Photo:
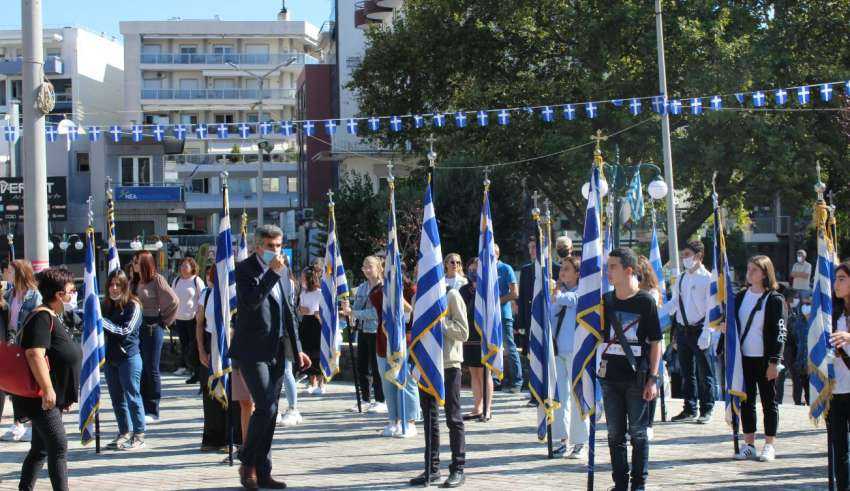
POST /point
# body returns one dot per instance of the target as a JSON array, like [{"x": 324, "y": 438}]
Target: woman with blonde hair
[
  {"x": 454, "y": 272},
  {"x": 366, "y": 317}
]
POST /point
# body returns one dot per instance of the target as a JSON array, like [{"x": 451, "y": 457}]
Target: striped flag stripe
[
  {"x": 488, "y": 311},
  {"x": 820, "y": 357},
  {"x": 92, "y": 346},
  {"x": 334, "y": 288}
]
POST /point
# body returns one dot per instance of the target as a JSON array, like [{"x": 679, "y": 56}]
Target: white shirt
[
  {"x": 209, "y": 309},
  {"x": 187, "y": 291},
  {"x": 456, "y": 282},
  {"x": 842, "y": 373},
  {"x": 754, "y": 342},
  {"x": 311, "y": 300},
  {"x": 803, "y": 284},
  {"x": 695, "y": 289}
]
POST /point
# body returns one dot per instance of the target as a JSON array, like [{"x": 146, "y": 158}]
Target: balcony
[
  {"x": 211, "y": 165},
  {"x": 164, "y": 60},
  {"x": 390, "y": 4},
  {"x": 52, "y": 66},
  {"x": 373, "y": 11},
  {"x": 238, "y": 200},
  {"x": 165, "y": 99}
]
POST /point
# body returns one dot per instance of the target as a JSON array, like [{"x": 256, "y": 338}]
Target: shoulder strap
[
  {"x": 621, "y": 338},
  {"x": 753, "y": 315},
  {"x": 682, "y": 302},
  {"x": 207, "y": 296}
]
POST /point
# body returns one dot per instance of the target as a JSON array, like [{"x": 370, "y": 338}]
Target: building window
[
  {"x": 188, "y": 119},
  {"x": 271, "y": 185},
  {"x": 201, "y": 185},
  {"x": 136, "y": 171},
  {"x": 135, "y": 228},
  {"x": 242, "y": 185},
  {"x": 224, "y": 118},
  {"x": 152, "y": 119},
  {"x": 83, "y": 162},
  {"x": 292, "y": 184}
]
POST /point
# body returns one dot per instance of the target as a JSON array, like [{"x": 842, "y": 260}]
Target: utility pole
[
  {"x": 34, "y": 161},
  {"x": 672, "y": 228}
]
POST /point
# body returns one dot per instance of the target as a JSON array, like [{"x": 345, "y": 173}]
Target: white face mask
[
  {"x": 71, "y": 304},
  {"x": 806, "y": 309},
  {"x": 795, "y": 302},
  {"x": 800, "y": 259},
  {"x": 115, "y": 297},
  {"x": 688, "y": 262}
]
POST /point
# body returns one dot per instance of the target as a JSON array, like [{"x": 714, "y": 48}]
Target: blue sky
[{"x": 104, "y": 16}]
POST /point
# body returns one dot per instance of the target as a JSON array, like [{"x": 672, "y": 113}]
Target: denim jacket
[
  {"x": 362, "y": 309},
  {"x": 32, "y": 299}
]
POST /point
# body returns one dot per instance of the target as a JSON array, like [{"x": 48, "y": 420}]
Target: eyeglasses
[{"x": 454, "y": 262}]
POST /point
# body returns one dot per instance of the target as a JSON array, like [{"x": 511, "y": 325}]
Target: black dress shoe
[
  {"x": 271, "y": 483},
  {"x": 456, "y": 479},
  {"x": 420, "y": 479},
  {"x": 470, "y": 417},
  {"x": 192, "y": 380},
  {"x": 683, "y": 416}
]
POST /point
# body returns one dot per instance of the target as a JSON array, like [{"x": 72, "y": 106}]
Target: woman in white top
[
  {"x": 649, "y": 283},
  {"x": 310, "y": 329},
  {"x": 454, "y": 272},
  {"x": 187, "y": 287},
  {"x": 839, "y": 409},
  {"x": 214, "y": 436},
  {"x": 761, "y": 320}
]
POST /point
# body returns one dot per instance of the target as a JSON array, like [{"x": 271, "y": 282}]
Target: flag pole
[
  {"x": 591, "y": 450},
  {"x": 547, "y": 221},
  {"x": 485, "y": 407},
  {"x": 90, "y": 232},
  {"x": 354, "y": 371}
]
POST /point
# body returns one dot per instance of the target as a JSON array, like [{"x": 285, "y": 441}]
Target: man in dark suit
[{"x": 265, "y": 336}]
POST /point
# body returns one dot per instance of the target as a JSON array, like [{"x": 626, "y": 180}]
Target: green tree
[{"x": 469, "y": 54}]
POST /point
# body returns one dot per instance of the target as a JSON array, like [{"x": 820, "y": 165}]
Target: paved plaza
[{"x": 336, "y": 449}]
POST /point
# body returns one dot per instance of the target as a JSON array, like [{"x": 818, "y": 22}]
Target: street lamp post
[
  {"x": 66, "y": 243},
  {"x": 261, "y": 80}
]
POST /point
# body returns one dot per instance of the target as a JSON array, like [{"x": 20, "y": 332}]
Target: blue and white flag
[
  {"x": 488, "y": 309},
  {"x": 821, "y": 353},
  {"x": 658, "y": 268},
  {"x": 634, "y": 196},
  {"x": 541, "y": 350},
  {"x": 393, "y": 305},
  {"x": 589, "y": 317},
  {"x": 722, "y": 308},
  {"x": 334, "y": 289},
  {"x": 607, "y": 247},
  {"x": 224, "y": 304},
  {"x": 113, "y": 261},
  {"x": 94, "y": 350},
  {"x": 426, "y": 346},
  {"x": 242, "y": 249}
]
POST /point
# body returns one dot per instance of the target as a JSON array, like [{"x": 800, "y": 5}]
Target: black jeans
[
  {"x": 367, "y": 363},
  {"x": 625, "y": 408},
  {"x": 264, "y": 381},
  {"x": 755, "y": 378},
  {"x": 697, "y": 372},
  {"x": 799, "y": 385},
  {"x": 48, "y": 442},
  {"x": 839, "y": 418},
  {"x": 454, "y": 420},
  {"x": 188, "y": 345}
]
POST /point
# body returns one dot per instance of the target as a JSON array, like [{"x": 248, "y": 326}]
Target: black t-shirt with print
[
  {"x": 639, "y": 317},
  {"x": 64, "y": 356}
]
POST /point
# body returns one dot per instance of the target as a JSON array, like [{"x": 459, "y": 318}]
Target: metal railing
[
  {"x": 217, "y": 94},
  {"x": 222, "y": 159},
  {"x": 225, "y": 58}
]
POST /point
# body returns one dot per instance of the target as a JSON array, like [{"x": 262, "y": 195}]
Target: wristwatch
[{"x": 653, "y": 377}]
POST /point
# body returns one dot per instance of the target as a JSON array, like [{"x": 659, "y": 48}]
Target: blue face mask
[{"x": 268, "y": 256}]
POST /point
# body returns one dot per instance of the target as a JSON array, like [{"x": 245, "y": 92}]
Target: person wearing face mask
[
  {"x": 692, "y": 338},
  {"x": 839, "y": 411},
  {"x": 45, "y": 334},
  {"x": 762, "y": 320},
  {"x": 798, "y": 334},
  {"x": 21, "y": 297},
  {"x": 122, "y": 318},
  {"x": 801, "y": 273}
]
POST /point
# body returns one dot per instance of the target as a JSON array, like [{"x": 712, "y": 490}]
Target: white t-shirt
[
  {"x": 754, "y": 342},
  {"x": 209, "y": 309},
  {"x": 311, "y": 300},
  {"x": 803, "y": 284},
  {"x": 842, "y": 373},
  {"x": 187, "y": 291},
  {"x": 456, "y": 282}
]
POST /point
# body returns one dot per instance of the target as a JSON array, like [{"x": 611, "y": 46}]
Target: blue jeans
[
  {"x": 150, "y": 343},
  {"x": 625, "y": 408},
  {"x": 515, "y": 379},
  {"x": 697, "y": 374},
  {"x": 391, "y": 395},
  {"x": 123, "y": 380},
  {"x": 290, "y": 385}
]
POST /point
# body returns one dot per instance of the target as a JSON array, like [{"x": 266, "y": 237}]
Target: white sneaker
[
  {"x": 7, "y": 435},
  {"x": 747, "y": 452},
  {"x": 578, "y": 452},
  {"x": 392, "y": 429},
  {"x": 377, "y": 408},
  {"x": 27, "y": 435},
  {"x": 180, "y": 371},
  {"x": 768, "y": 453},
  {"x": 650, "y": 434},
  {"x": 19, "y": 432},
  {"x": 410, "y": 433},
  {"x": 151, "y": 419},
  {"x": 292, "y": 417},
  {"x": 323, "y": 390}
]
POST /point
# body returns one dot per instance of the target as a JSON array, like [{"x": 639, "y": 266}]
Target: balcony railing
[
  {"x": 222, "y": 159},
  {"x": 225, "y": 58},
  {"x": 217, "y": 94}
]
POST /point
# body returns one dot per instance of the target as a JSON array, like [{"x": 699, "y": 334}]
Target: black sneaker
[
  {"x": 420, "y": 479},
  {"x": 192, "y": 380},
  {"x": 684, "y": 416},
  {"x": 456, "y": 479}
]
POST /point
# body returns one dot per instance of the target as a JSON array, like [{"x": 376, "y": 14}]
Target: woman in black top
[
  {"x": 44, "y": 334},
  {"x": 472, "y": 347}
]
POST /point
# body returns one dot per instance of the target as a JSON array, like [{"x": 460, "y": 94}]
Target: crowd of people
[{"x": 276, "y": 337}]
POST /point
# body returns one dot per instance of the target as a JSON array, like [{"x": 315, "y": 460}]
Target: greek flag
[
  {"x": 94, "y": 351},
  {"x": 242, "y": 250},
  {"x": 589, "y": 310},
  {"x": 543, "y": 380},
  {"x": 488, "y": 310},
  {"x": 821, "y": 353},
  {"x": 393, "y": 313},
  {"x": 224, "y": 304},
  {"x": 607, "y": 247},
  {"x": 721, "y": 308},
  {"x": 658, "y": 268},
  {"x": 426, "y": 347},
  {"x": 334, "y": 288},
  {"x": 634, "y": 196},
  {"x": 114, "y": 263}
]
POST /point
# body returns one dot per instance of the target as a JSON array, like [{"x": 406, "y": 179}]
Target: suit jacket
[
  {"x": 256, "y": 336},
  {"x": 526, "y": 295}
]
